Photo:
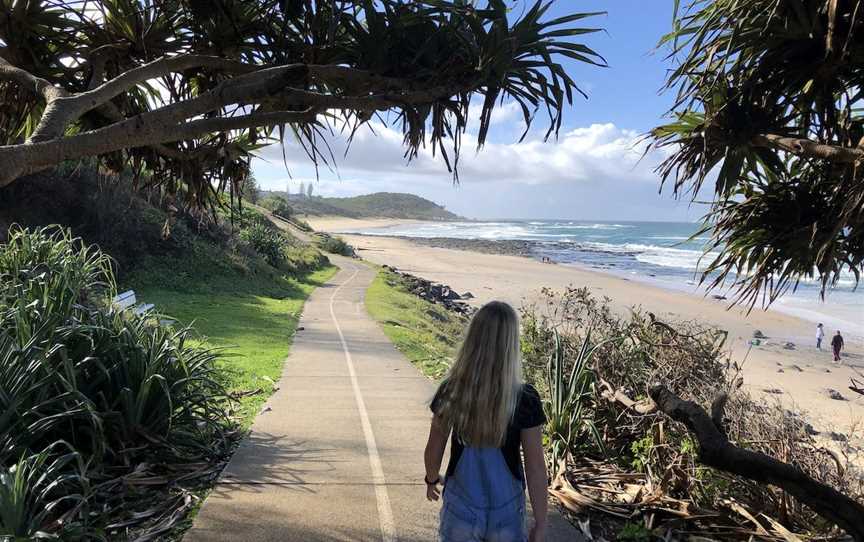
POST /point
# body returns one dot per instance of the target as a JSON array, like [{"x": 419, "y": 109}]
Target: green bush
[
  {"x": 333, "y": 245},
  {"x": 301, "y": 259},
  {"x": 302, "y": 225},
  {"x": 278, "y": 205},
  {"x": 130, "y": 397},
  {"x": 266, "y": 241}
]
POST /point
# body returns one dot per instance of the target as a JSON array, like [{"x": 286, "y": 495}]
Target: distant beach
[
  {"x": 666, "y": 254},
  {"x": 476, "y": 257}
]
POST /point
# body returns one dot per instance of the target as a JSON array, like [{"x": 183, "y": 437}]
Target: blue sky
[{"x": 592, "y": 171}]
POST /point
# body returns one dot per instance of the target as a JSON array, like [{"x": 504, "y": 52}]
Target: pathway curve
[{"x": 337, "y": 453}]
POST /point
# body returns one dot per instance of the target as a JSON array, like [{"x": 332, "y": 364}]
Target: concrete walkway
[{"x": 338, "y": 452}]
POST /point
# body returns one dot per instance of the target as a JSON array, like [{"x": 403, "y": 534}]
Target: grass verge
[
  {"x": 427, "y": 333},
  {"x": 238, "y": 304},
  {"x": 254, "y": 324}
]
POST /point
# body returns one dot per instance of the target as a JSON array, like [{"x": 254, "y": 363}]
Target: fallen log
[{"x": 716, "y": 451}]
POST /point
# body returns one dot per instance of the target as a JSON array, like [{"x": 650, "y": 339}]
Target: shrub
[
  {"x": 131, "y": 399},
  {"x": 266, "y": 241},
  {"x": 333, "y": 245},
  {"x": 301, "y": 259},
  {"x": 639, "y": 445},
  {"x": 278, "y": 205},
  {"x": 302, "y": 225}
]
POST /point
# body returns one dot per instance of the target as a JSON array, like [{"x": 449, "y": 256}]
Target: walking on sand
[
  {"x": 820, "y": 334},
  {"x": 491, "y": 414},
  {"x": 837, "y": 345}
]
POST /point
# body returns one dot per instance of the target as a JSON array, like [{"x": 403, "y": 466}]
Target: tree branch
[
  {"x": 280, "y": 88},
  {"x": 140, "y": 131},
  {"x": 808, "y": 148},
  {"x": 69, "y": 108},
  {"x": 716, "y": 451},
  {"x": 30, "y": 82},
  {"x": 152, "y": 70}
]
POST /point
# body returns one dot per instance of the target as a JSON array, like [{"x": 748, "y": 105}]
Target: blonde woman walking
[{"x": 492, "y": 416}]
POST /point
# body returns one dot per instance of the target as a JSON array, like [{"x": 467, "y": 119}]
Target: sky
[{"x": 595, "y": 170}]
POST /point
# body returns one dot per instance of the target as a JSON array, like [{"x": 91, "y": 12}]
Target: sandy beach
[{"x": 801, "y": 376}]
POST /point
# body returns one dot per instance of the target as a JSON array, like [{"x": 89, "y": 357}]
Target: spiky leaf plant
[
  {"x": 132, "y": 398},
  {"x": 567, "y": 407},
  {"x": 769, "y": 103}
]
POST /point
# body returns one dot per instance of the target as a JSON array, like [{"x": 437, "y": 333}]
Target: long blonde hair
[{"x": 479, "y": 395}]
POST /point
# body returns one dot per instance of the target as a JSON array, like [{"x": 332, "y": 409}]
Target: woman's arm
[
  {"x": 535, "y": 476},
  {"x": 433, "y": 456}
]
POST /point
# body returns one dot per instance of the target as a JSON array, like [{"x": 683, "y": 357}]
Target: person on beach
[
  {"x": 837, "y": 345},
  {"x": 491, "y": 414},
  {"x": 820, "y": 334}
]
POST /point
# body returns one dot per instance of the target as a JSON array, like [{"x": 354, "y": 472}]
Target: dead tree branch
[{"x": 716, "y": 451}]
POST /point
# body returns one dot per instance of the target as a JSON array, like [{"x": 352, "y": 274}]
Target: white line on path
[{"x": 385, "y": 513}]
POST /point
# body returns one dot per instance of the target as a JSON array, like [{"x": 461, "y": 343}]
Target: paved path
[{"x": 338, "y": 452}]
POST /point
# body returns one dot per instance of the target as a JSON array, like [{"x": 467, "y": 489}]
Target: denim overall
[{"x": 482, "y": 500}]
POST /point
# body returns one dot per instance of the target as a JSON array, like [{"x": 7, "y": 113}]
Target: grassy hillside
[{"x": 381, "y": 204}]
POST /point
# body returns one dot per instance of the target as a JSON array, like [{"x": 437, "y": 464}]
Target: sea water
[{"x": 667, "y": 254}]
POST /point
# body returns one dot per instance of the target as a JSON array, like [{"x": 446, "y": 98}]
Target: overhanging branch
[
  {"x": 29, "y": 81},
  {"x": 808, "y": 148},
  {"x": 137, "y": 132}
]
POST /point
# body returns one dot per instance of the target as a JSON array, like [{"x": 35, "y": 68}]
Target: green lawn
[
  {"x": 428, "y": 334},
  {"x": 253, "y": 324}
]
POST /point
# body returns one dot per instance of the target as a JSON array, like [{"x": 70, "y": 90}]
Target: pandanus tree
[
  {"x": 186, "y": 90},
  {"x": 769, "y": 107}
]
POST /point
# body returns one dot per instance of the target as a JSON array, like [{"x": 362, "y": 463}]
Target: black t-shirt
[{"x": 528, "y": 414}]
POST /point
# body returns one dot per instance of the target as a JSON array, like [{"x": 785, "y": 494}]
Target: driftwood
[
  {"x": 645, "y": 406},
  {"x": 857, "y": 385},
  {"x": 716, "y": 451}
]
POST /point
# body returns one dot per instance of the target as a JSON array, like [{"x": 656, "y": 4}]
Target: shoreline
[
  {"x": 800, "y": 377},
  {"x": 837, "y": 315}
]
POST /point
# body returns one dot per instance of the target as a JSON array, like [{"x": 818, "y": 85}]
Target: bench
[{"x": 127, "y": 300}]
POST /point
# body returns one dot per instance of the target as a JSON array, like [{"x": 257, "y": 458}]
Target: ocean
[{"x": 660, "y": 253}]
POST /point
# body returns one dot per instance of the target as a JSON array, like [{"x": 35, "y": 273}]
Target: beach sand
[{"x": 806, "y": 372}]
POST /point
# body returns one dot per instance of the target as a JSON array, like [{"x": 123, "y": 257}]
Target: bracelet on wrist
[{"x": 432, "y": 483}]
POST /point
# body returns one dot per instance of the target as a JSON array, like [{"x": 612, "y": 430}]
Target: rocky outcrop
[{"x": 434, "y": 292}]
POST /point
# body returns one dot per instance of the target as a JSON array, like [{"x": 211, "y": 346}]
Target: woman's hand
[
  {"x": 432, "y": 491},
  {"x": 432, "y": 457}
]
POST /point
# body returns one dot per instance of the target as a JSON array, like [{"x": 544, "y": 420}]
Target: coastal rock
[
  {"x": 834, "y": 394},
  {"x": 759, "y": 335},
  {"x": 436, "y": 293},
  {"x": 789, "y": 346},
  {"x": 839, "y": 437},
  {"x": 795, "y": 368},
  {"x": 467, "y": 295}
]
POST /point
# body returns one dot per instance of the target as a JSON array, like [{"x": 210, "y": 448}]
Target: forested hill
[{"x": 380, "y": 204}]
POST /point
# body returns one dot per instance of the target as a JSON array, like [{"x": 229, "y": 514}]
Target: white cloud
[
  {"x": 595, "y": 171},
  {"x": 589, "y": 154}
]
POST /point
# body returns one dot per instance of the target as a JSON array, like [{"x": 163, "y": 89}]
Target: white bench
[{"x": 127, "y": 300}]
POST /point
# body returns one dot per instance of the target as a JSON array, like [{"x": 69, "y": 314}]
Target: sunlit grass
[
  {"x": 254, "y": 326},
  {"x": 428, "y": 334}
]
